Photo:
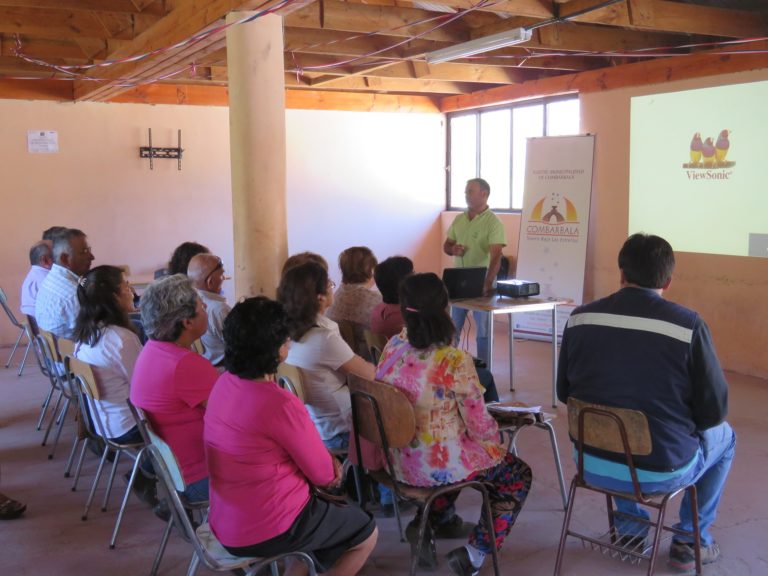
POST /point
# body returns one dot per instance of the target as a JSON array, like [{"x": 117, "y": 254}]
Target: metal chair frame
[
  {"x": 81, "y": 377},
  {"x": 369, "y": 393},
  {"x": 541, "y": 421},
  {"x": 23, "y": 331},
  {"x": 635, "y": 551},
  {"x": 50, "y": 349},
  {"x": 211, "y": 553},
  {"x": 199, "y": 507},
  {"x": 289, "y": 378}
]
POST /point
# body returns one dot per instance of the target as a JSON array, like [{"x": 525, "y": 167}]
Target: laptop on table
[{"x": 464, "y": 282}]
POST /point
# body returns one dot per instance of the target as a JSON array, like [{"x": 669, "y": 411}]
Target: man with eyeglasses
[
  {"x": 207, "y": 274},
  {"x": 57, "y": 307}
]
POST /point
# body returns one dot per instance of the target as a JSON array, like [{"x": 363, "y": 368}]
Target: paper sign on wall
[{"x": 42, "y": 141}]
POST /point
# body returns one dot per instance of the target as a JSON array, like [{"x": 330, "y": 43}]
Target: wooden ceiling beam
[
  {"x": 342, "y": 16},
  {"x": 294, "y": 99},
  {"x": 43, "y": 48},
  {"x": 150, "y": 7},
  {"x": 540, "y": 9},
  {"x": 184, "y": 21},
  {"x": 53, "y": 24},
  {"x": 666, "y": 16},
  {"x": 658, "y": 71},
  {"x": 452, "y": 72},
  {"x": 587, "y": 38},
  {"x": 370, "y": 83},
  {"x": 36, "y": 90}
]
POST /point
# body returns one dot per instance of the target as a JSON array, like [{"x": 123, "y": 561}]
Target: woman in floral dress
[{"x": 456, "y": 439}]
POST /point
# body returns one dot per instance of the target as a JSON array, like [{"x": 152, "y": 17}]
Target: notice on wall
[
  {"x": 554, "y": 225},
  {"x": 42, "y": 141}
]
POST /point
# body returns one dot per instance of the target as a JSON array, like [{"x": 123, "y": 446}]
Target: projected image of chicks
[
  {"x": 553, "y": 212},
  {"x": 721, "y": 146},
  {"x": 696, "y": 147},
  {"x": 710, "y": 153}
]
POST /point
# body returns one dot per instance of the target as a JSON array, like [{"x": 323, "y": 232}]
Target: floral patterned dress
[{"x": 455, "y": 435}]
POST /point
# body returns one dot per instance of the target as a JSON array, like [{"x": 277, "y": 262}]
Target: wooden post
[{"x": 257, "y": 152}]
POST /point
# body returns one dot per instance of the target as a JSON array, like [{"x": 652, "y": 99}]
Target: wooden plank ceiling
[{"x": 362, "y": 46}]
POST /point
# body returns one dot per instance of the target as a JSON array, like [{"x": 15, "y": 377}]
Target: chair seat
[
  {"x": 217, "y": 551},
  {"x": 421, "y": 493}
]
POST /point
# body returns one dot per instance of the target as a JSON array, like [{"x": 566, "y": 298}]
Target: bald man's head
[{"x": 206, "y": 272}]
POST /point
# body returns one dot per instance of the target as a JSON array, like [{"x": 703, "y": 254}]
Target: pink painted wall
[
  {"x": 354, "y": 178},
  {"x": 727, "y": 291}
]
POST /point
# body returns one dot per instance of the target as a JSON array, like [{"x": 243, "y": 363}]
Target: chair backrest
[
  {"x": 168, "y": 473},
  {"x": 32, "y": 323},
  {"x": 376, "y": 343},
  {"x": 197, "y": 346},
  {"x": 603, "y": 431},
  {"x": 289, "y": 378},
  {"x": 83, "y": 370},
  {"x": 381, "y": 410},
  {"x": 8, "y": 311},
  {"x": 619, "y": 430},
  {"x": 45, "y": 344},
  {"x": 65, "y": 347},
  {"x": 347, "y": 331},
  {"x": 78, "y": 379}
]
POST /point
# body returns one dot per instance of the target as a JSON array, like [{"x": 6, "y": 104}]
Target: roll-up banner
[{"x": 553, "y": 227}]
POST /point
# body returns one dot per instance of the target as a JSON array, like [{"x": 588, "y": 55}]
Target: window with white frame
[{"x": 491, "y": 144}]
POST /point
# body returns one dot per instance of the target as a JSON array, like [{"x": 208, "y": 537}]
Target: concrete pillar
[{"x": 257, "y": 152}]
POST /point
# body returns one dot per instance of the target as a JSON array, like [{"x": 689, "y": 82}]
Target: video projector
[{"x": 516, "y": 288}]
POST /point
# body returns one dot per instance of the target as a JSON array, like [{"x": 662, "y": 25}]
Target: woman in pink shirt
[
  {"x": 265, "y": 456},
  {"x": 171, "y": 383}
]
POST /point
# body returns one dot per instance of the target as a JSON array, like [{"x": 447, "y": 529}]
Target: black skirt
[{"x": 323, "y": 530}]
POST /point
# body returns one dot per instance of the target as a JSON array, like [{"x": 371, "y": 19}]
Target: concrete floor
[{"x": 51, "y": 539}]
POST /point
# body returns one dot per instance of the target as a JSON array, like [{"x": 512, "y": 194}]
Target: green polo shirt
[{"x": 477, "y": 235}]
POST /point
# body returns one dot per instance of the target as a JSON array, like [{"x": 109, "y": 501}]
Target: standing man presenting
[
  {"x": 475, "y": 238},
  {"x": 634, "y": 349}
]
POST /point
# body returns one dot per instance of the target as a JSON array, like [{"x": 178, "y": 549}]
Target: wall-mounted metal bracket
[{"x": 151, "y": 152}]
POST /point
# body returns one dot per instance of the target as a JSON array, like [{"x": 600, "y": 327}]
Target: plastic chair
[
  {"x": 289, "y": 378},
  {"x": 51, "y": 349},
  {"x": 81, "y": 376},
  {"x": 207, "y": 549},
  {"x": 383, "y": 415},
  {"x": 23, "y": 331},
  {"x": 192, "y": 507},
  {"x": 621, "y": 431},
  {"x": 197, "y": 346},
  {"x": 376, "y": 343}
]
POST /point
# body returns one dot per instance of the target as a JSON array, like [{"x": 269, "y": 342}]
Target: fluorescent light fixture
[{"x": 479, "y": 45}]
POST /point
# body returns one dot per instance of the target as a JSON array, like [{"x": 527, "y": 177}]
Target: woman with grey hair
[{"x": 171, "y": 383}]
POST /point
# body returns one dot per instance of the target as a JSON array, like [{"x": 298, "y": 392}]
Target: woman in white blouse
[
  {"x": 319, "y": 350},
  {"x": 106, "y": 340}
]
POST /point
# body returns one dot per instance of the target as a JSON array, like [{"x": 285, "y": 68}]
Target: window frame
[{"x": 544, "y": 101}]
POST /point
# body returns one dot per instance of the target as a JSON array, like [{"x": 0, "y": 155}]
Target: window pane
[
  {"x": 563, "y": 117},
  {"x": 495, "y": 158},
  {"x": 527, "y": 122},
  {"x": 463, "y": 157}
]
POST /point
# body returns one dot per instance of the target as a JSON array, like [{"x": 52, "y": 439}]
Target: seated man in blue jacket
[{"x": 634, "y": 349}]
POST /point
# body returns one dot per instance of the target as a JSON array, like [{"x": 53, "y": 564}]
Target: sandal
[{"x": 10, "y": 509}]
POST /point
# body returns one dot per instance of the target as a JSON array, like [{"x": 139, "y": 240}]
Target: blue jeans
[
  {"x": 716, "y": 451},
  {"x": 197, "y": 491},
  {"x": 458, "y": 315}
]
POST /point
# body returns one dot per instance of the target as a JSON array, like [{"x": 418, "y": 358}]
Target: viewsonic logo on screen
[
  {"x": 553, "y": 216},
  {"x": 709, "y": 157}
]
